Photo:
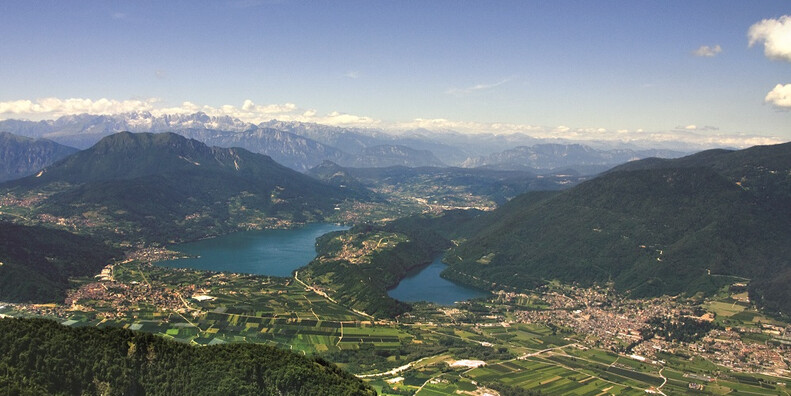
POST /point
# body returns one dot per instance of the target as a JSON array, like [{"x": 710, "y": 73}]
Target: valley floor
[{"x": 556, "y": 340}]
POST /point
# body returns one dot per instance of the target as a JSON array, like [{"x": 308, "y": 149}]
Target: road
[
  {"x": 395, "y": 370},
  {"x": 664, "y": 381},
  {"x": 325, "y": 295}
]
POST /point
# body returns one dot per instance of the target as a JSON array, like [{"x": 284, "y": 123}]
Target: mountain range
[
  {"x": 302, "y": 146},
  {"x": 576, "y": 158}
]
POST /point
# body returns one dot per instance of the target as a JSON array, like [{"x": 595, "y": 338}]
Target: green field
[{"x": 549, "y": 378}]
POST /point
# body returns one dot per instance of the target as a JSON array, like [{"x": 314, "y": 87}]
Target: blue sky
[{"x": 547, "y": 67}]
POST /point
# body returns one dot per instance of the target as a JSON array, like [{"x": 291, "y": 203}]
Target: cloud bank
[
  {"x": 59, "y": 107},
  {"x": 251, "y": 112},
  {"x": 248, "y": 112}
]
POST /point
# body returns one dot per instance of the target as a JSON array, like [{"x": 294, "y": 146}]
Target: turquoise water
[
  {"x": 427, "y": 285},
  {"x": 265, "y": 252}
]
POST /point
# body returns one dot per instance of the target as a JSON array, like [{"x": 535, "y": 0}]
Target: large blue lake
[
  {"x": 427, "y": 285},
  {"x": 280, "y": 252},
  {"x": 264, "y": 252}
]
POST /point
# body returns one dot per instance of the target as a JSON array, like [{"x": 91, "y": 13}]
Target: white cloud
[
  {"x": 706, "y": 51},
  {"x": 248, "y": 112},
  {"x": 465, "y": 126},
  {"x": 58, "y": 107},
  {"x": 476, "y": 88},
  {"x": 775, "y": 34},
  {"x": 780, "y": 96},
  {"x": 693, "y": 127},
  {"x": 353, "y": 74},
  {"x": 249, "y": 107}
]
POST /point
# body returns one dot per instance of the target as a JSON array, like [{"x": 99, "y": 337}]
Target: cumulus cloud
[
  {"x": 780, "y": 96},
  {"x": 250, "y": 107},
  {"x": 775, "y": 34},
  {"x": 706, "y": 51}
]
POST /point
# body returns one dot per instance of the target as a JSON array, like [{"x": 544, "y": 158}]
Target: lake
[
  {"x": 427, "y": 285},
  {"x": 264, "y": 252}
]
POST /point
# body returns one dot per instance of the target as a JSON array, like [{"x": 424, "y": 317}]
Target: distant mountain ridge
[
  {"x": 299, "y": 146},
  {"x": 84, "y": 130},
  {"x": 393, "y": 155},
  {"x": 442, "y": 185},
  {"x": 293, "y": 151},
  {"x": 303, "y": 145},
  {"x": 22, "y": 156},
  {"x": 581, "y": 158}
]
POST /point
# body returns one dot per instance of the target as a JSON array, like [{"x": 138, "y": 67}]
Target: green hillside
[
  {"x": 37, "y": 262},
  {"x": 42, "y": 357},
  {"x": 359, "y": 265},
  {"x": 650, "y": 227},
  {"x": 161, "y": 187}
]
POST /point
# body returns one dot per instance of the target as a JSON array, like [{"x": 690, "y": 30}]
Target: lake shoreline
[
  {"x": 269, "y": 252},
  {"x": 427, "y": 285}
]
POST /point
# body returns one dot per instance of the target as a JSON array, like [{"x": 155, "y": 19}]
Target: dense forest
[
  {"x": 650, "y": 227},
  {"x": 42, "y": 357},
  {"x": 36, "y": 262}
]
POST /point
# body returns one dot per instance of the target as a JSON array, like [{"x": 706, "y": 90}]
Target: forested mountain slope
[
  {"x": 42, "y": 357},
  {"x": 160, "y": 187},
  {"x": 651, "y": 227},
  {"x": 36, "y": 262}
]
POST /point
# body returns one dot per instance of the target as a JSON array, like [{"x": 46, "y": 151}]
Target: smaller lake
[
  {"x": 427, "y": 285},
  {"x": 264, "y": 252}
]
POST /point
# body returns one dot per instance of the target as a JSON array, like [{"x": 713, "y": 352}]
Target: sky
[{"x": 707, "y": 70}]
